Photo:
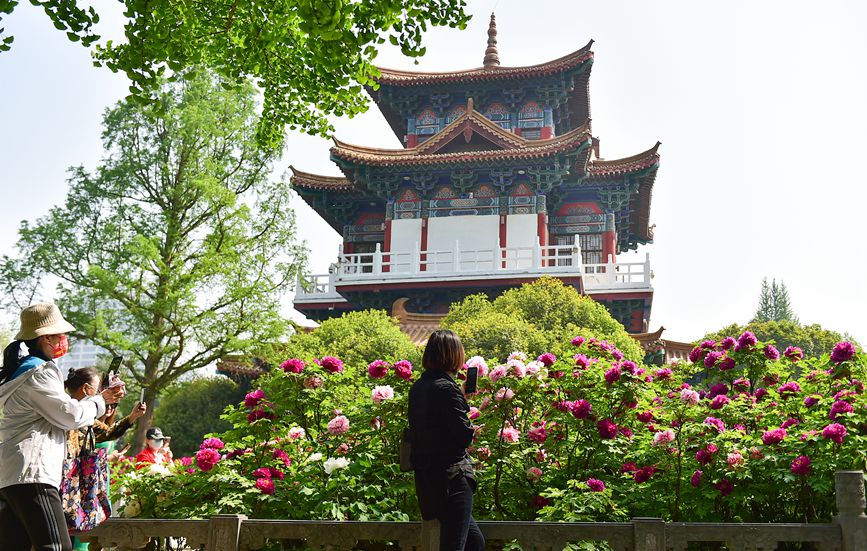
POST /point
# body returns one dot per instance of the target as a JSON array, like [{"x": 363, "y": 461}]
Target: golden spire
[{"x": 492, "y": 58}]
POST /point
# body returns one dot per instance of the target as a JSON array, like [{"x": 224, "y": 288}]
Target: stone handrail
[{"x": 847, "y": 532}]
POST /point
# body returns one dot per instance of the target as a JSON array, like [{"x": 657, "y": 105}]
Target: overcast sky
[{"x": 760, "y": 108}]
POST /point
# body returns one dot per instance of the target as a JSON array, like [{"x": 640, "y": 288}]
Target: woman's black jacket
[{"x": 440, "y": 430}]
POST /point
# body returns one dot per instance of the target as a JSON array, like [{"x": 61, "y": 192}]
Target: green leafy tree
[
  {"x": 814, "y": 340},
  {"x": 537, "y": 317},
  {"x": 357, "y": 338},
  {"x": 177, "y": 250},
  {"x": 188, "y": 410},
  {"x": 774, "y": 304},
  {"x": 311, "y": 58}
]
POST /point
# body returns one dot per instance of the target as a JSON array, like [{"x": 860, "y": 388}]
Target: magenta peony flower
[
  {"x": 703, "y": 456},
  {"x": 843, "y": 351},
  {"x": 538, "y": 502},
  {"x": 595, "y": 485},
  {"x": 746, "y": 340},
  {"x": 789, "y": 422},
  {"x": 788, "y": 389},
  {"x": 509, "y": 434},
  {"x": 330, "y": 364},
  {"x": 403, "y": 369},
  {"x": 775, "y": 436},
  {"x": 662, "y": 374},
  {"x": 292, "y": 365},
  {"x": 378, "y": 369},
  {"x": 616, "y": 354},
  {"x": 695, "y": 479},
  {"x": 537, "y": 434},
  {"x": 712, "y": 358},
  {"x": 338, "y": 425},
  {"x": 282, "y": 456},
  {"x": 663, "y": 437},
  {"x": 474, "y": 413},
  {"x": 266, "y": 485},
  {"x": 760, "y": 393},
  {"x": 607, "y": 429},
  {"x": 708, "y": 345},
  {"x": 717, "y": 390},
  {"x": 206, "y": 458},
  {"x": 645, "y": 416},
  {"x": 727, "y": 343},
  {"x": 695, "y": 354},
  {"x": 582, "y": 361},
  {"x": 839, "y": 407},
  {"x": 643, "y": 474},
  {"x": 262, "y": 472},
  {"x": 741, "y": 384},
  {"x": 727, "y": 364},
  {"x": 719, "y": 401},
  {"x": 625, "y": 431},
  {"x": 794, "y": 354},
  {"x": 252, "y": 399},
  {"x": 581, "y": 409},
  {"x": 724, "y": 487},
  {"x": 547, "y": 359},
  {"x": 717, "y": 423},
  {"x": 214, "y": 443},
  {"x": 612, "y": 375},
  {"x": 186, "y": 461},
  {"x": 771, "y": 352},
  {"x": 689, "y": 396},
  {"x": 628, "y": 468},
  {"x": 801, "y": 465},
  {"x": 381, "y": 393},
  {"x": 257, "y": 414},
  {"x": 578, "y": 341}
]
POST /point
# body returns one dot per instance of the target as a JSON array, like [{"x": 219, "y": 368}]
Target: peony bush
[{"x": 743, "y": 432}]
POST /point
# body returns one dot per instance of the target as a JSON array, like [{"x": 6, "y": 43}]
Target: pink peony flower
[
  {"x": 775, "y": 436},
  {"x": 292, "y": 365},
  {"x": 689, "y": 396},
  {"x": 625, "y": 431},
  {"x": 403, "y": 369},
  {"x": 612, "y": 375},
  {"x": 206, "y": 458},
  {"x": 771, "y": 352},
  {"x": 581, "y": 409},
  {"x": 509, "y": 434},
  {"x": 794, "y": 354},
  {"x": 330, "y": 364},
  {"x": 537, "y": 434},
  {"x": 663, "y": 437},
  {"x": 378, "y": 369},
  {"x": 380, "y": 394},
  {"x": 734, "y": 459},
  {"x": 534, "y": 474},
  {"x": 517, "y": 367},
  {"x": 834, "y": 432},
  {"x": 547, "y": 359},
  {"x": 483, "y": 453},
  {"x": 282, "y": 456},
  {"x": 578, "y": 341},
  {"x": 840, "y": 407},
  {"x": 266, "y": 485},
  {"x": 719, "y": 401},
  {"x": 695, "y": 479},
  {"x": 252, "y": 399},
  {"x": 498, "y": 373},
  {"x": 717, "y": 423},
  {"x": 801, "y": 465},
  {"x": 504, "y": 394},
  {"x": 338, "y": 425},
  {"x": 296, "y": 433},
  {"x": 480, "y": 363},
  {"x": 186, "y": 461},
  {"x": 607, "y": 429},
  {"x": 843, "y": 351},
  {"x": 474, "y": 413},
  {"x": 517, "y": 355},
  {"x": 214, "y": 443},
  {"x": 534, "y": 367},
  {"x": 595, "y": 485}
]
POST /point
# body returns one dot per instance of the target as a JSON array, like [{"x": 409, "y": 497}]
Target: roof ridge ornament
[{"x": 492, "y": 57}]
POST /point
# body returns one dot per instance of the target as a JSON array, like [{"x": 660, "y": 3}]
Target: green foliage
[
  {"x": 311, "y": 58},
  {"x": 188, "y": 410},
  {"x": 774, "y": 303},
  {"x": 812, "y": 339},
  {"x": 536, "y": 317},
  {"x": 176, "y": 250},
  {"x": 354, "y": 337}
]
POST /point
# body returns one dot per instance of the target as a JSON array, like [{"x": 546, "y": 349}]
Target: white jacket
[{"x": 37, "y": 412}]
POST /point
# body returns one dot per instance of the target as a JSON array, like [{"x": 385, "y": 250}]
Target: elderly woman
[
  {"x": 440, "y": 432},
  {"x": 37, "y": 414}
]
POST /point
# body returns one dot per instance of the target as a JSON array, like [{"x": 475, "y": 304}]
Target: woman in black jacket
[{"x": 440, "y": 432}]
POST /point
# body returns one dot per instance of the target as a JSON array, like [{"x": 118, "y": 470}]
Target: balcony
[{"x": 420, "y": 266}]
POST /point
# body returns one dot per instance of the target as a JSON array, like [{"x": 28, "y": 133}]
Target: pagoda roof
[
  {"x": 503, "y": 144},
  {"x": 618, "y": 167},
  {"x": 398, "y": 77},
  {"x": 307, "y": 180}
]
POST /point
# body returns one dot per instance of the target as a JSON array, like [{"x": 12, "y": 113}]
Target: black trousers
[
  {"x": 458, "y": 528},
  {"x": 31, "y": 517}
]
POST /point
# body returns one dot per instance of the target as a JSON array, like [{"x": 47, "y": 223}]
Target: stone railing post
[
  {"x": 649, "y": 534},
  {"x": 849, "y": 487},
  {"x": 224, "y": 532},
  {"x": 377, "y": 260},
  {"x": 430, "y": 535}
]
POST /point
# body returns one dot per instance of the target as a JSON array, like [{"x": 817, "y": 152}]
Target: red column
[
  {"x": 503, "y": 219},
  {"x": 411, "y": 140},
  {"x": 423, "y": 246},
  {"x": 546, "y": 133},
  {"x": 386, "y": 246},
  {"x": 609, "y": 239}
]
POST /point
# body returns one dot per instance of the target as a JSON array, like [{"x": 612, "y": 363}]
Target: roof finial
[{"x": 492, "y": 58}]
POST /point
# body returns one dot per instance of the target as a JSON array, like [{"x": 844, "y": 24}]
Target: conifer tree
[{"x": 774, "y": 303}]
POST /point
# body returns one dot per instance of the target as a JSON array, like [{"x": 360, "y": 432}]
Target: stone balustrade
[{"x": 847, "y": 532}]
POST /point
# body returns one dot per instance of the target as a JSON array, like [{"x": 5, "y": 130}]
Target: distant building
[{"x": 82, "y": 353}]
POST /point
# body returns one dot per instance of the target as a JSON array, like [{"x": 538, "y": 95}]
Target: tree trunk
[{"x": 144, "y": 423}]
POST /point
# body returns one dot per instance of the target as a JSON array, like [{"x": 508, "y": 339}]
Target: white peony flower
[
  {"x": 331, "y": 464},
  {"x": 315, "y": 457}
]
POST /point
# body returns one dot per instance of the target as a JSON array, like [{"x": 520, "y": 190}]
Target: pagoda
[{"x": 500, "y": 182}]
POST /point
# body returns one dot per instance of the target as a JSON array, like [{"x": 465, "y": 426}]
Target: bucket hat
[{"x": 42, "y": 319}]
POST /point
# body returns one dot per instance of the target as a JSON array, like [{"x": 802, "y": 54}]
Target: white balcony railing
[{"x": 461, "y": 264}]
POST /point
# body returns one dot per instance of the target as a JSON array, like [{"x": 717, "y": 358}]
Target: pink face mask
[{"x": 61, "y": 348}]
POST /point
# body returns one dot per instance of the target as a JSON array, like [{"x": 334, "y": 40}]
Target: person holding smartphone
[{"x": 440, "y": 432}]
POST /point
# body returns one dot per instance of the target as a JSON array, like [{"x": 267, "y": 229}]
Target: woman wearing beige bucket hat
[{"x": 37, "y": 412}]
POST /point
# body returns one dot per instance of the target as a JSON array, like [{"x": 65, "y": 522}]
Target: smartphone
[
  {"x": 471, "y": 386},
  {"x": 125, "y": 449},
  {"x": 115, "y": 363}
]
